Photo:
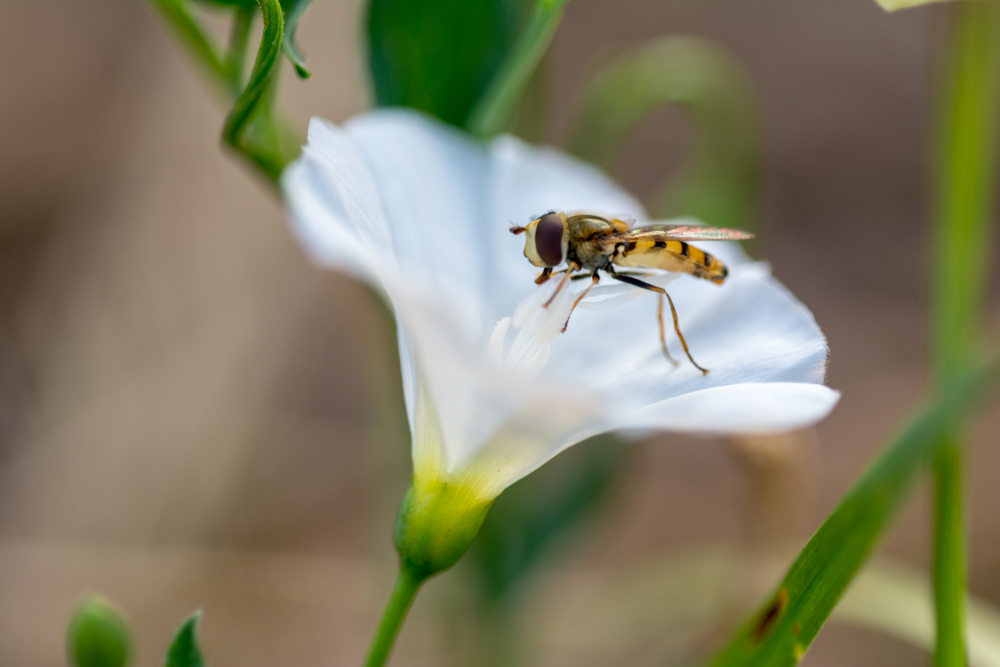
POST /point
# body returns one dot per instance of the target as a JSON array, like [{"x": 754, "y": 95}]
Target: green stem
[
  {"x": 190, "y": 32},
  {"x": 402, "y": 597},
  {"x": 966, "y": 185},
  {"x": 968, "y": 168},
  {"x": 494, "y": 110},
  {"x": 239, "y": 38},
  {"x": 949, "y": 556}
]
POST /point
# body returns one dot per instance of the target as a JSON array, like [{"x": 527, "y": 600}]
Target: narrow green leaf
[
  {"x": 782, "y": 629},
  {"x": 98, "y": 636},
  {"x": 184, "y": 650},
  {"x": 496, "y": 106},
  {"x": 721, "y": 183},
  {"x": 438, "y": 56}
]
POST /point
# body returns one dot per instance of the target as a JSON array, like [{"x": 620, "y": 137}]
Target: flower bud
[{"x": 98, "y": 637}]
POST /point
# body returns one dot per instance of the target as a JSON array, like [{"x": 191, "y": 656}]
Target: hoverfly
[{"x": 591, "y": 243}]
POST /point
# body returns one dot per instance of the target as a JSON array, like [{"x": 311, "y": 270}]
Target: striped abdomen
[{"x": 655, "y": 251}]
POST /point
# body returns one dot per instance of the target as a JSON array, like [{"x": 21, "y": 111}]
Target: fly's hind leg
[
  {"x": 659, "y": 290},
  {"x": 663, "y": 331},
  {"x": 594, "y": 280}
]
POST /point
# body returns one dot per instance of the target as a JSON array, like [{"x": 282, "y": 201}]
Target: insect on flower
[{"x": 590, "y": 242}]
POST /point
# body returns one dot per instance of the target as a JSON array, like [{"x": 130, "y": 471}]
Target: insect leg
[
  {"x": 562, "y": 283},
  {"x": 653, "y": 288},
  {"x": 544, "y": 275},
  {"x": 594, "y": 280},
  {"x": 663, "y": 331}
]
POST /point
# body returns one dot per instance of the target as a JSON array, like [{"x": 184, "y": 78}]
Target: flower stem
[
  {"x": 949, "y": 555},
  {"x": 239, "y": 38},
  {"x": 967, "y": 172},
  {"x": 187, "y": 28},
  {"x": 402, "y": 597}
]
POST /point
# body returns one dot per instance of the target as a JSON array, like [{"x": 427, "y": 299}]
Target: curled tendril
[{"x": 251, "y": 129}]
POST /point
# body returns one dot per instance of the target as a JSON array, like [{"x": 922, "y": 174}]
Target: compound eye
[{"x": 549, "y": 237}]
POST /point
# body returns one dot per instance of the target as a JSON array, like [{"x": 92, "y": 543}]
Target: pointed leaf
[{"x": 184, "y": 650}]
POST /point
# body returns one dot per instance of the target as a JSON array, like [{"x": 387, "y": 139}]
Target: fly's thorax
[
  {"x": 546, "y": 240},
  {"x": 591, "y": 255}
]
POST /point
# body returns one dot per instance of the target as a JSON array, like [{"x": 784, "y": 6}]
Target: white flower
[{"x": 493, "y": 390}]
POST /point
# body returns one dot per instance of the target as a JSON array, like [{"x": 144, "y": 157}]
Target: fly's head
[{"x": 546, "y": 240}]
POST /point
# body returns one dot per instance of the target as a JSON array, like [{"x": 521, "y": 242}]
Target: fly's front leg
[
  {"x": 594, "y": 280},
  {"x": 659, "y": 290}
]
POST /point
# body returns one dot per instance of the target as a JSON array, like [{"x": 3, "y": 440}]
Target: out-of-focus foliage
[
  {"x": 780, "y": 632},
  {"x": 494, "y": 110},
  {"x": 893, "y": 5},
  {"x": 438, "y": 56},
  {"x": 537, "y": 511},
  {"x": 184, "y": 650},
  {"x": 721, "y": 183},
  {"x": 98, "y": 637}
]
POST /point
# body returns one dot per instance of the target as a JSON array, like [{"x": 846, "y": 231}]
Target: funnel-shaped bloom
[{"x": 493, "y": 390}]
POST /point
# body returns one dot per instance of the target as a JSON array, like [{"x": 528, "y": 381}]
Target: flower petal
[
  {"x": 765, "y": 407},
  {"x": 422, "y": 211}
]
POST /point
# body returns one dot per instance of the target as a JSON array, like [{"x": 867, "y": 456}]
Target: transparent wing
[{"x": 695, "y": 232}]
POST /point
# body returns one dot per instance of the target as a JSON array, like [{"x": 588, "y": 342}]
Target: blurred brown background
[{"x": 185, "y": 415}]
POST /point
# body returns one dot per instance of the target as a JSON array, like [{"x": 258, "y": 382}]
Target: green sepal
[
  {"x": 436, "y": 524},
  {"x": 184, "y": 650},
  {"x": 98, "y": 636}
]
